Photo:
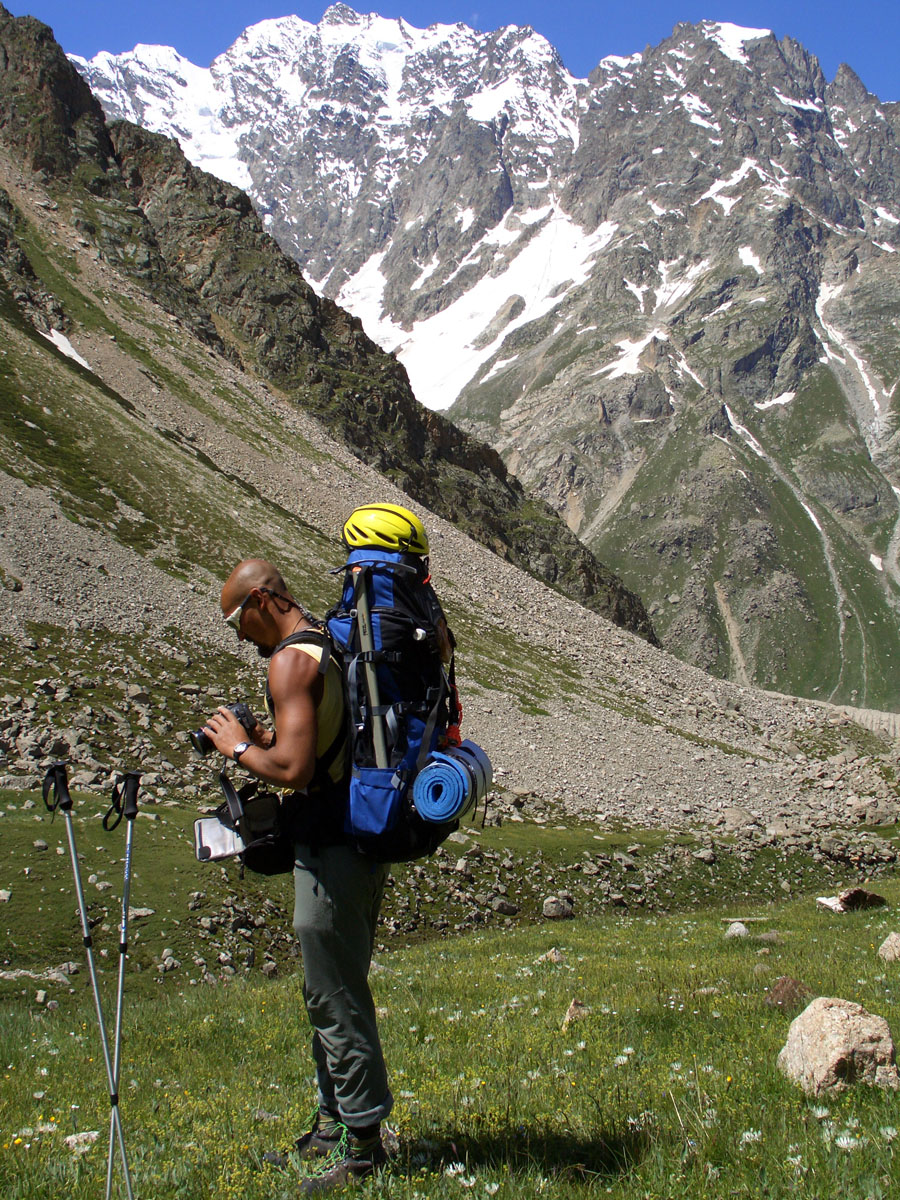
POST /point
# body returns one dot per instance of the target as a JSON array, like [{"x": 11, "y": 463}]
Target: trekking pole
[
  {"x": 367, "y": 645},
  {"x": 124, "y": 803},
  {"x": 56, "y": 780}
]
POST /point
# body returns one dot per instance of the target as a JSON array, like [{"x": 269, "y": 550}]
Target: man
[{"x": 337, "y": 890}]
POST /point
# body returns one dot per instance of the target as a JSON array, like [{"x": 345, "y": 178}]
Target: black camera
[{"x": 201, "y": 742}]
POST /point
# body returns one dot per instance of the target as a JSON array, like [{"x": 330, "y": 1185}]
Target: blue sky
[{"x": 865, "y": 34}]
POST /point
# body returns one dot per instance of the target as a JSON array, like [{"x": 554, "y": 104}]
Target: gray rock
[
  {"x": 835, "y": 1043},
  {"x": 889, "y": 950},
  {"x": 555, "y": 908},
  {"x": 737, "y": 929}
]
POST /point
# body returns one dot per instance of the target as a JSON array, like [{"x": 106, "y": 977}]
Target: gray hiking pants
[{"x": 337, "y": 895}]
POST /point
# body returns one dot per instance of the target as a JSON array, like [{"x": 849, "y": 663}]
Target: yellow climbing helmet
[{"x": 385, "y": 525}]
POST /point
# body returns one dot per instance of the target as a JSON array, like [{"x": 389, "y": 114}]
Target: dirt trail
[{"x": 741, "y": 674}]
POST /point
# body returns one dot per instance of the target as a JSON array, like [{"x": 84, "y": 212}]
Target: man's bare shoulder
[{"x": 292, "y": 671}]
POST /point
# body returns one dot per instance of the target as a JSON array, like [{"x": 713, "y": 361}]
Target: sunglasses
[{"x": 234, "y": 618}]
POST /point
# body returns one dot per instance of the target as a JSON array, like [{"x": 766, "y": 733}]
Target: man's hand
[
  {"x": 225, "y": 731},
  {"x": 290, "y": 759}
]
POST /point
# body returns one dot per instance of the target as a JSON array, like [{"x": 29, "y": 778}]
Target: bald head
[{"x": 249, "y": 574}]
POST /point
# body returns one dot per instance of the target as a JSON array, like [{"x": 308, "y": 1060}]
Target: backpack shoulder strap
[
  {"x": 310, "y": 637},
  {"x": 320, "y": 637}
]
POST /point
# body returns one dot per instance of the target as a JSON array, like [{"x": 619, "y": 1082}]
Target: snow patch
[
  {"x": 637, "y": 292},
  {"x": 64, "y": 346},
  {"x": 877, "y": 562},
  {"x": 440, "y": 352},
  {"x": 698, "y": 112},
  {"x": 673, "y": 288},
  {"x": 808, "y": 105},
  {"x": 784, "y": 398},
  {"x": 738, "y": 176},
  {"x": 745, "y": 433},
  {"x": 812, "y": 516},
  {"x": 749, "y": 259},
  {"x": 731, "y": 39},
  {"x": 828, "y": 292},
  {"x": 427, "y": 271},
  {"x": 627, "y": 362},
  {"x": 500, "y": 365}
]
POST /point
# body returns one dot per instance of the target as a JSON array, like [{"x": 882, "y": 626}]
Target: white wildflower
[
  {"x": 751, "y": 1135},
  {"x": 80, "y": 1143}
]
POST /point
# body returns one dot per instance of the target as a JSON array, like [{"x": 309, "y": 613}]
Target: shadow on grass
[{"x": 606, "y": 1154}]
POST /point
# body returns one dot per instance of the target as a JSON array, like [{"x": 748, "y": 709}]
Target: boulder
[
  {"x": 553, "y": 955},
  {"x": 851, "y": 900},
  {"x": 558, "y": 908},
  {"x": 576, "y": 1011},
  {"x": 835, "y": 1043},
  {"x": 889, "y": 949},
  {"x": 856, "y": 898}
]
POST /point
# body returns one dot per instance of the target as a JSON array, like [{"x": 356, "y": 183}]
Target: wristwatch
[{"x": 239, "y": 750}]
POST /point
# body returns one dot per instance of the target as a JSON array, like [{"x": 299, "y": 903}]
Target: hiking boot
[
  {"x": 326, "y": 1139},
  {"x": 363, "y": 1157}
]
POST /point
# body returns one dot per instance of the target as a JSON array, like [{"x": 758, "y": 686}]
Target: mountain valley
[{"x": 665, "y": 294}]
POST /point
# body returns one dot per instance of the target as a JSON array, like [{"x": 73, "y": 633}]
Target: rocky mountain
[
  {"x": 153, "y": 430},
  {"x": 200, "y": 249},
  {"x": 666, "y": 294}
]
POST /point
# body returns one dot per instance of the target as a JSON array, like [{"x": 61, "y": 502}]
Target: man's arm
[{"x": 295, "y": 686}]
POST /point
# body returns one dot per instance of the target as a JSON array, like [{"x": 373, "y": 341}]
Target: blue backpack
[{"x": 391, "y": 631}]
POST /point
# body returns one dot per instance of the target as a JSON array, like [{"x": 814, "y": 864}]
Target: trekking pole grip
[
  {"x": 56, "y": 781},
  {"x": 132, "y": 785}
]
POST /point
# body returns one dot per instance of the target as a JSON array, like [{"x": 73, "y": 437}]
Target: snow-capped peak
[{"x": 731, "y": 39}]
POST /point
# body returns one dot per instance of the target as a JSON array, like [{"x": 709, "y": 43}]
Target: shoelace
[{"x": 314, "y": 1169}]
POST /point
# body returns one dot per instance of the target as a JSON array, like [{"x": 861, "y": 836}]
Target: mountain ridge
[
  {"x": 665, "y": 294},
  {"x": 129, "y": 486},
  {"x": 241, "y": 290}
]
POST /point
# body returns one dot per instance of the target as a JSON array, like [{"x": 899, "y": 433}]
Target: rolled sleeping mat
[{"x": 452, "y": 783}]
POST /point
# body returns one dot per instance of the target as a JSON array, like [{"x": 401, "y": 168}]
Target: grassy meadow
[{"x": 663, "y": 1085}]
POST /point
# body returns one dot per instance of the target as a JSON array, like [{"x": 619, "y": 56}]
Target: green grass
[
  {"x": 666, "y": 1086},
  {"x": 101, "y": 460}
]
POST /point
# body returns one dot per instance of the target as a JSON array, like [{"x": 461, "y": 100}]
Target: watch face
[{"x": 239, "y": 749}]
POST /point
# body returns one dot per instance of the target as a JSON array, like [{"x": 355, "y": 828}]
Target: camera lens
[{"x": 200, "y": 742}]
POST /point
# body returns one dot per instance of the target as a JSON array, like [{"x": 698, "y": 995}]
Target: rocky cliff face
[
  {"x": 666, "y": 294},
  {"x": 198, "y": 248},
  {"x": 153, "y": 431}
]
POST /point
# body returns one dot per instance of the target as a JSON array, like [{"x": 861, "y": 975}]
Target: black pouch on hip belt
[{"x": 252, "y": 825}]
